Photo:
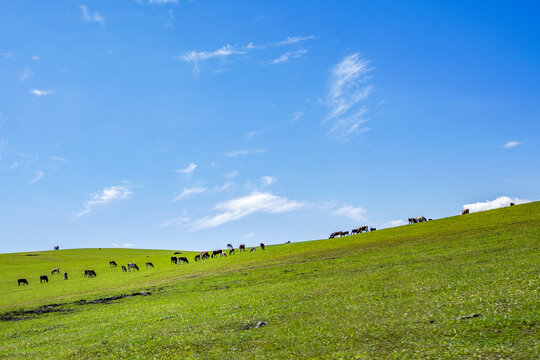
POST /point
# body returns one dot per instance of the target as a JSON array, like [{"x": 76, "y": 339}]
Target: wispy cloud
[
  {"x": 349, "y": 87},
  {"x": 289, "y": 55},
  {"x": 162, "y": 2},
  {"x": 294, "y": 39},
  {"x": 60, "y": 159},
  {"x": 95, "y": 17},
  {"x": 511, "y": 144},
  {"x": 237, "y": 208},
  {"x": 10, "y": 54},
  {"x": 393, "y": 223},
  {"x": 105, "y": 196},
  {"x": 38, "y": 177},
  {"x": 189, "y": 192},
  {"x": 35, "y": 58},
  {"x": 26, "y": 74},
  {"x": 176, "y": 221},
  {"x": 126, "y": 245},
  {"x": 355, "y": 213},
  {"x": 268, "y": 180},
  {"x": 187, "y": 170},
  {"x": 296, "y": 116},
  {"x": 499, "y": 202},
  {"x": 194, "y": 57},
  {"x": 236, "y": 153},
  {"x": 253, "y": 133},
  {"x": 231, "y": 174},
  {"x": 38, "y": 92}
]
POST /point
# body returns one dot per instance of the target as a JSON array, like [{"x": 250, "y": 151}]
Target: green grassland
[{"x": 454, "y": 288}]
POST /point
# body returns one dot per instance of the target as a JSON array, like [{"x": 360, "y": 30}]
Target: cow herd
[
  {"x": 90, "y": 273},
  {"x": 358, "y": 230}
]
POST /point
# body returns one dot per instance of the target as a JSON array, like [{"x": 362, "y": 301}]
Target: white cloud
[
  {"x": 511, "y": 144},
  {"x": 228, "y": 185},
  {"x": 236, "y": 209},
  {"x": 38, "y": 177},
  {"x": 348, "y": 89},
  {"x": 179, "y": 220},
  {"x": 393, "y": 223},
  {"x": 236, "y": 153},
  {"x": 187, "y": 170},
  {"x": 499, "y": 202},
  {"x": 268, "y": 180},
  {"x": 38, "y": 92},
  {"x": 105, "y": 196},
  {"x": 294, "y": 39},
  {"x": 253, "y": 133},
  {"x": 95, "y": 17},
  {"x": 189, "y": 192},
  {"x": 35, "y": 58},
  {"x": 60, "y": 159},
  {"x": 126, "y": 245},
  {"x": 355, "y": 213},
  {"x": 26, "y": 74},
  {"x": 231, "y": 174},
  {"x": 195, "y": 57},
  {"x": 8, "y": 54},
  {"x": 296, "y": 116},
  {"x": 289, "y": 55}
]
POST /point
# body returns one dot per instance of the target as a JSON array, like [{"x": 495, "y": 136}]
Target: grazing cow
[
  {"x": 177, "y": 252},
  {"x": 230, "y": 246},
  {"x": 262, "y": 246},
  {"x": 224, "y": 254},
  {"x": 412, "y": 221},
  {"x": 465, "y": 211},
  {"x": 205, "y": 255},
  {"x": 242, "y": 247},
  {"x": 372, "y": 229},
  {"x": 252, "y": 249},
  {"x": 174, "y": 260},
  {"x": 124, "y": 268},
  {"x": 112, "y": 263},
  {"x": 43, "y": 278},
  {"x": 55, "y": 271},
  {"x": 354, "y": 231},
  {"x": 183, "y": 259},
  {"x": 421, "y": 219},
  {"x": 149, "y": 264},
  {"x": 65, "y": 276},
  {"x": 429, "y": 219},
  {"x": 132, "y": 266},
  {"x": 512, "y": 204},
  {"x": 216, "y": 253},
  {"x": 288, "y": 242},
  {"x": 345, "y": 233},
  {"x": 22, "y": 281},
  {"x": 197, "y": 257},
  {"x": 89, "y": 273}
]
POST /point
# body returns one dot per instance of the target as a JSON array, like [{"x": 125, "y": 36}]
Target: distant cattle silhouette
[
  {"x": 372, "y": 229},
  {"x": 231, "y": 252},
  {"x": 205, "y": 255},
  {"x": 43, "y": 278},
  {"x": 197, "y": 257},
  {"x": 262, "y": 246},
  {"x": 55, "y": 271},
  {"x": 216, "y": 253},
  {"x": 132, "y": 266},
  {"x": 112, "y": 263},
  {"x": 149, "y": 264},
  {"x": 230, "y": 246},
  {"x": 177, "y": 252},
  {"x": 65, "y": 276},
  {"x": 358, "y": 230},
  {"x": 89, "y": 273},
  {"x": 174, "y": 260},
  {"x": 242, "y": 247},
  {"x": 183, "y": 259},
  {"x": 421, "y": 219},
  {"x": 124, "y": 268},
  {"x": 252, "y": 249},
  {"x": 512, "y": 204},
  {"x": 412, "y": 221},
  {"x": 465, "y": 211},
  {"x": 22, "y": 281},
  {"x": 429, "y": 219},
  {"x": 288, "y": 242},
  {"x": 224, "y": 254}
]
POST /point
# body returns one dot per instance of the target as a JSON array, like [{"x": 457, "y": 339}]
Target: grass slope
[{"x": 397, "y": 293}]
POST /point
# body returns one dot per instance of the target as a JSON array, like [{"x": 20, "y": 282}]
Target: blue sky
[{"x": 193, "y": 124}]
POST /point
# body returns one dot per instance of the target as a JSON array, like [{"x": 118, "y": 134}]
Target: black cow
[
  {"x": 22, "y": 281},
  {"x": 132, "y": 266},
  {"x": 262, "y": 246},
  {"x": 182, "y": 259},
  {"x": 112, "y": 263},
  {"x": 43, "y": 278},
  {"x": 174, "y": 260},
  {"x": 65, "y": 276}
]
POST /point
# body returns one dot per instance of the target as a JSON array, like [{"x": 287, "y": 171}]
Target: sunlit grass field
[{"x": 454, "y": 288}]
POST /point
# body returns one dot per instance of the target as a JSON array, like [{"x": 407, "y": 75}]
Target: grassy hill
[{"x": 460, "y": 287}]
